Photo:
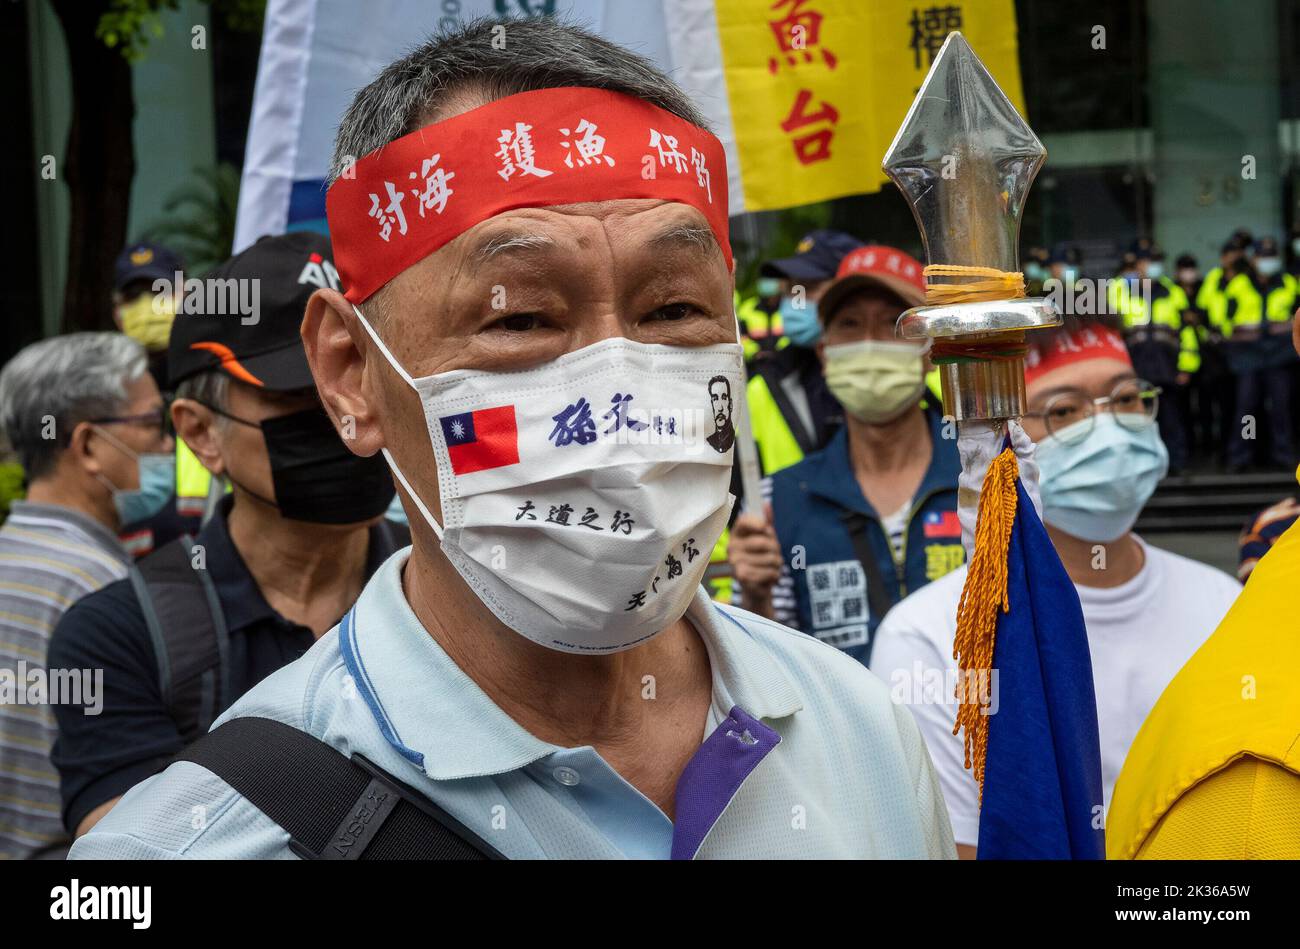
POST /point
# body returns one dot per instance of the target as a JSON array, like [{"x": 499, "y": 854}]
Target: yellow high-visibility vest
[
  {"x": 1244, "y": 307},
  {"x": 1211, "y": 299}
]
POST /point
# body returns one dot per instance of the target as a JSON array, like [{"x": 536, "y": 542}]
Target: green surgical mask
[{"x": 876, "y": 381}]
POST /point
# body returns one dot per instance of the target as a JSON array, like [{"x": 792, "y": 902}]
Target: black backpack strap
[
  {"x": 333, "y": 808},
  {"x": 879, "y": 599},
  {"x": 188, "y": 630}
]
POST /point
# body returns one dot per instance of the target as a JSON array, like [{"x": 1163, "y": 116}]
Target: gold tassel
[{"x": 984, "y": 592}]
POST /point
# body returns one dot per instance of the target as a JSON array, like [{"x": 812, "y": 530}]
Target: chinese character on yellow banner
[{"x": 818, "y": 87}]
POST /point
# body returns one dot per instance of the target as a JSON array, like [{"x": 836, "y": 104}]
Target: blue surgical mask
[
  {"x": 1035, "y": 271},
  {"x": 1155, "y": 271},
  {"x": 157, "y": 485},
  {"x": 1267, "y": 266},
  {"x": 800, "y": 323},
  {"x": 1069, "y": 275},
  {"x": 395, "y": 511},
  {"x": 1095, "y": 489},
  {"x": 767, "y": 286}
]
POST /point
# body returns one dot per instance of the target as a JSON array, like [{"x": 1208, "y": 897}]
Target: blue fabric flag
[{"x": 1042, "y": 777}]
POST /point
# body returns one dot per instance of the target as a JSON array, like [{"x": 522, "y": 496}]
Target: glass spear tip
[{"x": 964, "y": 160}]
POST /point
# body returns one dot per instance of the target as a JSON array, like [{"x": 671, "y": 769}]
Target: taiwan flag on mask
[{"x": 486, "y": 438}]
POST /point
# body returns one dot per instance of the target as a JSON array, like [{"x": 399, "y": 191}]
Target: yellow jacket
[{"x": 1215, "y": 771}]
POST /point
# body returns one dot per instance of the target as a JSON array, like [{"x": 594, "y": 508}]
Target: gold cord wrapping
[{"x": 995, "y": 285}]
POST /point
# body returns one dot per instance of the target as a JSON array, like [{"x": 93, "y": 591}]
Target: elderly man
[
  {"x": 531, "y": 344},
  {"x": 1100, "y": 456},
  {"x": 86, "y": 420}
]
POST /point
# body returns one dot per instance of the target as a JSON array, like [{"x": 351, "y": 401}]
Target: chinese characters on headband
[{"x": 517, "y": 153}]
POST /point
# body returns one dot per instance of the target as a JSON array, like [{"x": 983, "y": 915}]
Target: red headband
[
  {"x": 403, "y": 201},
  {"x": 1090, "y": 342}
]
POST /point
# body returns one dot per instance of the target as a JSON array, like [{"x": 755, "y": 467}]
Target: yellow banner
[{"x": 817, "y": 88}]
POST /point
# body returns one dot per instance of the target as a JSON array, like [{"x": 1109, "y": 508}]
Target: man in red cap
[{"x": 858, "y": 525}]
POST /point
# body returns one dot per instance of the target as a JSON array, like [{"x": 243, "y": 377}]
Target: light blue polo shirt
[{"x": 803, "y": 755}]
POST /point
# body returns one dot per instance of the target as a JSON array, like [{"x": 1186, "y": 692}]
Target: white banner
[{"x": 316, "y": 54}]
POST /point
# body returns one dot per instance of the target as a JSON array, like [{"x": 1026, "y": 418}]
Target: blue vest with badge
[{"x": 818, "y": 508}]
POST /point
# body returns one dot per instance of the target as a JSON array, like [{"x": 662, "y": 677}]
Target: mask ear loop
[{"x": 392, "y": 465}]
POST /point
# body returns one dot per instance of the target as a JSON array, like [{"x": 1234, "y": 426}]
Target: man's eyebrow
[
  {"x": 696, "y": 236},
  {"x": 511, "y": 243}
]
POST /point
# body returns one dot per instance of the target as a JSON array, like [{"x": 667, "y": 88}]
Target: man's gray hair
[
  {"x": 51, "y": 386},
  {"x": 210, "y": 387},
  {"x": 536, "y": 53}
]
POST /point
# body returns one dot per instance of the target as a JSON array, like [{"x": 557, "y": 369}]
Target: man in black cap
[
  {"x": 202, "y": 620},
  {"x": 140, "y": 310}
]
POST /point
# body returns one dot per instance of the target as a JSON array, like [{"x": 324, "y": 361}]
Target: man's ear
[
  {"x": 80, "y": 449},
  {"x": 196, "y": 425},
  {"x": 336, "y": 345}
]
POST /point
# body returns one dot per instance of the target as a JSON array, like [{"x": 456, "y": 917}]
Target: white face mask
[{"x": 581, "y": 499}]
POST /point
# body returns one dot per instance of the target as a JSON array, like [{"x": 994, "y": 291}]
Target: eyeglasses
[
  {"x": 158, "y": 418},
  {"x": 1134, "y": 404}
]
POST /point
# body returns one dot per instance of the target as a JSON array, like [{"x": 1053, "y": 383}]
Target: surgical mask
[
  {"x": 395, "y": 510},
  {"x": 1267, "y": 266},
  {"x": 1187, "y": 275},
  {"x": 148, "y": 320},
  {"x": 767, "y": 286},
  {"x": 1035, "y": 271},
  {"x": 1155, "y": 270},
  {"x": 580, "y": 499},
  {"x": 1069, "y": 275},
  {"x": 157, "y": 476},
  {"x": 800, "y": 323},
  {"x": 877, "y": 380},
  {"x": 1095, "y": 489},
  {"x": 315, "y": 477}
]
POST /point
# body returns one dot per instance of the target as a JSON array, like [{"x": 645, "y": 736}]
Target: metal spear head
[{"x": 964, "y": 160}]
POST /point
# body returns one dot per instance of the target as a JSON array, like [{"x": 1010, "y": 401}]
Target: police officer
[
  {"x": 1151, "y": 309},
  {"x": 1257, "y": 325},
  {"x": 760, "y": 318},
  {"x": 873, "y": 515},
  {"x": 202, "y": 620}
]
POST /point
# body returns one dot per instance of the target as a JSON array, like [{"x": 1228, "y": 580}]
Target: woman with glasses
[{"x": 1100, "y": 457}]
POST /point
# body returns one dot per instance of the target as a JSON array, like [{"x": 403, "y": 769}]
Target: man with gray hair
[
  {"x": 538, "y": 233},
  {"x": 81, "y": 412}
]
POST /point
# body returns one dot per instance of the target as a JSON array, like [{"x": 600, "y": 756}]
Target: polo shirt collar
[
  {"x": 101, "y": 536},
  {"x": 436, "y": 716}
]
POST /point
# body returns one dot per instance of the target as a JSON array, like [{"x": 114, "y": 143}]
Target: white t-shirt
[{"x": 1139, "y": 635}]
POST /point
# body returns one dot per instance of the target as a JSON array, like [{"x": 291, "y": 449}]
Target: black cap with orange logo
[{"x": 244, "y": 317}]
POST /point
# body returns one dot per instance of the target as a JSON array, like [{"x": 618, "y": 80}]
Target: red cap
[
  {"x": 1087, "y": 342},
  {"x": 876, "y": 264}
]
